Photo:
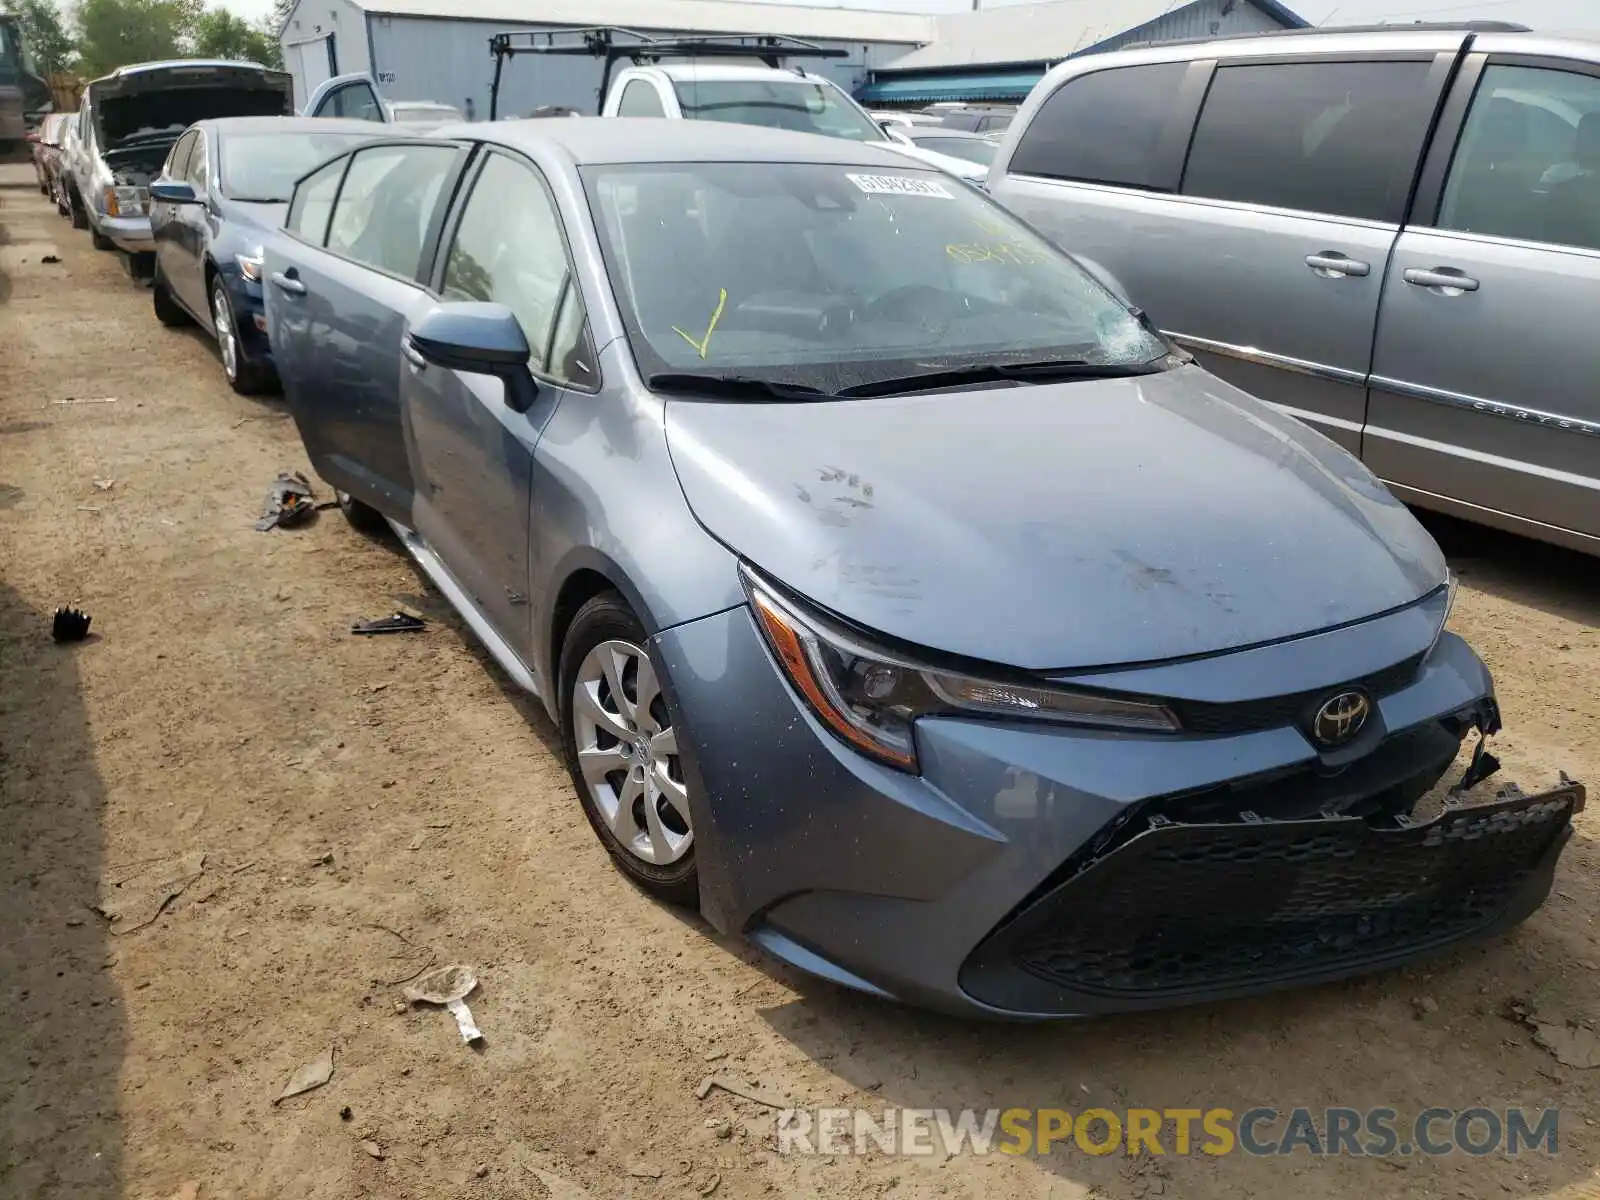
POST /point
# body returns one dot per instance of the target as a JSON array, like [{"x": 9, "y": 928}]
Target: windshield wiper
[
  {"x": 1030, "y": 372},
  {"x": 735, "y": 387}
]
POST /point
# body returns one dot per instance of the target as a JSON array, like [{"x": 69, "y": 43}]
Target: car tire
[
  {"x": 362, "y": 516},
  {"x": 605, "y": 648},
  {"x": 168, "y": 311},
  {"x": 80, "y": 219},
  {"x": 244, "y": 374}
]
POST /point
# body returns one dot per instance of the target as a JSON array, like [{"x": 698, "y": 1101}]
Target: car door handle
[
  {"x": 1447, "y": 281},
  {"x": 1330, "y": 264},
  {"x": 285, "y": 284},
  {"x": 413, "y": 355}
]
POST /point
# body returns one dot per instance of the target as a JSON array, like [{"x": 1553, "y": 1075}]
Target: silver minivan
[{"x": 1392, "y": 234}]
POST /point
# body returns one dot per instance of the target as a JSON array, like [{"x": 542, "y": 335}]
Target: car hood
[
  {"x": 1077, "y": 524},
  {"x": 164, "y": 101},
  {"x": 959, "y": 167}
]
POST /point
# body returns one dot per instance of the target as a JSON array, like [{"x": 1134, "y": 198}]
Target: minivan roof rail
[
  {"x": 1390, "y": 27},
  {"x": 602, "y": 41}
]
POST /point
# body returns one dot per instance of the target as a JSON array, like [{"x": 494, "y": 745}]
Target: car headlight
[
  {"x": 1451, "y": 581},
  {"x": 125, "y": 201},
  {"x": 250, "y": 264},
  {"x": 872, "y": 697}
]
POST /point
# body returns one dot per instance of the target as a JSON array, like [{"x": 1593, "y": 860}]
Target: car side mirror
[
  {"x": 173, "y": 192},
  {"x": 480, "y": 339}
]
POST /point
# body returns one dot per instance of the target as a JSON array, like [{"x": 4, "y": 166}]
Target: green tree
[
  {"x": 114, "y": 33},
  {"x": 44, "y": 33},
  {"x": 220, "y": 34}
]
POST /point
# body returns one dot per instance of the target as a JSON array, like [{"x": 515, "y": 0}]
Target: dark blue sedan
[{"x": 224, "y": 185}]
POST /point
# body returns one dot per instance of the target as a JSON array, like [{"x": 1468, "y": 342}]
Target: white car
[{"x": 775, "y": 97}]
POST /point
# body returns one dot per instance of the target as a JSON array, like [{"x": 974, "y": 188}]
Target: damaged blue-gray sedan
[{"x": 903, "y": 600}]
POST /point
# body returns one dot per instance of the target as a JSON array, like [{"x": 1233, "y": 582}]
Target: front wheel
[
  {"x": 245, "y": 375},
  {"x": 622, "y": 750},
  {"x": 99, "y": 240}
]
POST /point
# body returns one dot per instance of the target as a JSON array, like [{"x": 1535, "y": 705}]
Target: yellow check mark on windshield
[{"x": 700, "y": 346}]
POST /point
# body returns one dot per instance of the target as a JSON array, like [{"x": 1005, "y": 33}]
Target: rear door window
[
  {"x": 384, "y": 208},
  {"x": 640, "y": 99},
  {"x": 1527, "y": 165},
  {"x": 312, "y": 204},
  {"x": 1339, "y": 138},
  {"x": 354, "y": 100},
  {"x": 1108, "y": 127}
]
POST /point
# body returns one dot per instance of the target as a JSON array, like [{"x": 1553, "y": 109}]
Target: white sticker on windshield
[{"x": 899, "y": 185}]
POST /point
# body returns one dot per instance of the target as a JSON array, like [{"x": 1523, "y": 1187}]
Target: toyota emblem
[{"x": 1340, "y": 719}]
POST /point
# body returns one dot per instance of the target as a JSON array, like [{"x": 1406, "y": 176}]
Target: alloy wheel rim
[
  {"x": 628, "y": 753},
  {"x": 226, "y": 344}
]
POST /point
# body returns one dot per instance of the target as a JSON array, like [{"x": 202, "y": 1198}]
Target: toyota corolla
[{"x": 904, "y": 601}]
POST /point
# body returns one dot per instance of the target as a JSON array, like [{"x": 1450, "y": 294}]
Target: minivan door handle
[
  {"x": 1445, "y": 281},
  {"x": 286, "y": 283},
  {"x": 1330, "y": 264}
]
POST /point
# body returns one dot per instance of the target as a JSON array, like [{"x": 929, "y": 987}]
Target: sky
[{"x": 250, "y": 10}]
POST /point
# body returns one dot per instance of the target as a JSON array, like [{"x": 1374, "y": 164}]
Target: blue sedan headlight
[{"x": 871, "y": 697}]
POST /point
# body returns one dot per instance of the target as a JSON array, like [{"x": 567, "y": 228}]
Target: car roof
[
  {"x": 946, "y": 131},
  {"x": 256, "y": 126},
  {"x": 702, "y": 72},
  {"x": 659, "y": 140}
]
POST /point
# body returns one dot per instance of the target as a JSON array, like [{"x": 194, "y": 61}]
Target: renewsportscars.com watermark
[{"x": 1351, "y": 1132}]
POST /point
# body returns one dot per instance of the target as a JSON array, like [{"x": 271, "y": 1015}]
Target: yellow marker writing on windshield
[{"x": 700, "y": 346}]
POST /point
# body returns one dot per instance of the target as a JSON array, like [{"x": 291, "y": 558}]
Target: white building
[{"x": 439, "y": 49}]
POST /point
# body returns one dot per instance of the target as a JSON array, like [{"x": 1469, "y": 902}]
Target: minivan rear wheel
[{"x": 622, "y": 750}]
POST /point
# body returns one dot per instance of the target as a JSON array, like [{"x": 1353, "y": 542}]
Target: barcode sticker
[{"x": 899, "y": 185}]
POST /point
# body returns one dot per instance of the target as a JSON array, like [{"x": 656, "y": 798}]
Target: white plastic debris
[{"x": 449, "y": 987}]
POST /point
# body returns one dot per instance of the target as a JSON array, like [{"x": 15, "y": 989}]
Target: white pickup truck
[
  {"x": 716, "y": 77},
  {"x": 776, "y": 97}
]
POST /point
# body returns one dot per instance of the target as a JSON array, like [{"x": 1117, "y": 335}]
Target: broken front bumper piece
[{"x": 1182, "y": 912}]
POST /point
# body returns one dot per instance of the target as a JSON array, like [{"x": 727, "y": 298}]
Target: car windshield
[
  {"x": 977, "y": 150},
  {"x": 803, "y": 105},
  {"x": 879, "y": 273},
  {"x": 264, "y": 166}
]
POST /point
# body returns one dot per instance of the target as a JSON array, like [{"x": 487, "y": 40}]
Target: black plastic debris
[
  {"x": 1482, "y": 766},
  {"x": 70, "y": 625},
  {"x": 290, "y": 502},
  {"x": 398, "y": 623},
  {"x": 50, "y": 258}
]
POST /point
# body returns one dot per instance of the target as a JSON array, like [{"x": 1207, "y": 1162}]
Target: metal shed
[{"x": 439, "y": 49}]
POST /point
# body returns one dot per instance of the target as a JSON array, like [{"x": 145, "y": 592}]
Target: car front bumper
[
  {"x": 1035, "y": 871},
  {"x": 129, "y": 234}
]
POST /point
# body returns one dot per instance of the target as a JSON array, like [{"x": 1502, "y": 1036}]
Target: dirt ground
[{"x": 364, "y": 805}]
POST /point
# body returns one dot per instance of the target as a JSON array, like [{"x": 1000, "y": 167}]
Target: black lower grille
[
  {"x": 1208, "y": 908},
  {"x": 1271, "y": 712}
]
